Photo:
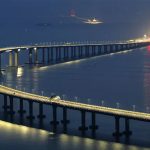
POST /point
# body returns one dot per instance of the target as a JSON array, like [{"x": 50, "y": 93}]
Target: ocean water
[{"x": 117, "y": 78}]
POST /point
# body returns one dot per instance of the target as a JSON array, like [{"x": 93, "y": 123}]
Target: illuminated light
[
  {"x": 148, "y": 48},
  {"x": 35, "y": 48},
  {"x": 19, "y": 50},
  {"x": 19, "y": 71}
]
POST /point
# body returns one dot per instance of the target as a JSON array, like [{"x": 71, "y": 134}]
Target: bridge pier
[
  {"x": 43, "y": 55},
  {"x": 41, "y": 116},
  {"x": 127, "y": 131},
  {"x": 11, "y": 58},
  {"x": 30, "y": 56},
  {"x": 117, "y": 127},
  {"x": 65, "y": 121},
  {"x": 52, "y": 53},
  {"x": 48, "y": 55},
  {"x": 83, "y": 126},
  {"x": 21, "y": 111},
  {"x": 59, "y": 53},
  {"x": 11, "y": 112},
  {"x": 30, "y": 116},
  {"x": 35, "y": 56},
  {"x": 54, "y": 122},
  {"x": 72, "y": 52},
  {"x": 93, "y": 127},
  {"x": 16, "y": 58},
  {"x": 5, "y": 106}
]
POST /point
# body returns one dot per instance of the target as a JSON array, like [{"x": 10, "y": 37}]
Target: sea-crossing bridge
[{"x": 68, "y": 52}]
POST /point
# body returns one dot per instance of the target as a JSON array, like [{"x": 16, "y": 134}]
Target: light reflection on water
[{"x": 38, "y": 139}]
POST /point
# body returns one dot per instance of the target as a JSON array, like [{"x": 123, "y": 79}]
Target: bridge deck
[{"x": 76, "y": 105}]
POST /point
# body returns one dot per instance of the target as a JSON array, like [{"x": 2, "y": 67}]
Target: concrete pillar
[
  {"x": 99, "y": 49},
  {"x": 87, "y": 51},
  {"x": 11, "y": 106},
  {"x": 48, "y": 55},
  {"x": 67, "y": 53},
  {"x": 72, "y": 54},
  {"x": 41, "y": 115},
  {"x": 64, "y": 50},
  {"x": 30, "y": 116},
  {"x": 54, "y": 122},
  {"x": 83, "y": 126},
  {"x": 30, "y": 56},
  {"x": 117, "y": 127},
  {"x": 65, "y": 121},
  {"x": 11, "y": 58},
  {"x": 52, "y": 53},
  {"x": 59, "y": 53},
  {"x": 93, "y": 126},
  {"x": 16, "y": 58},
  {"x": 35, "y": 56},
  {"x": 5, "y": 106},
  {"x": 21, "y": 111},
  {"x": 127, "y": 131},
  {"x": 43, "y": 55}
]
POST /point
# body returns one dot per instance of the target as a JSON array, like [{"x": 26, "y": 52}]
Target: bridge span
[
  {"x": 65, "y": 104},
  {"x": 52, "y": 53}
]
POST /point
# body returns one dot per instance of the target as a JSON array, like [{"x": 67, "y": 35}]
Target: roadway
[{"x": 75, "y": 105}]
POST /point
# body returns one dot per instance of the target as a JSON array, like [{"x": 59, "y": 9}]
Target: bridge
[
  {"x": 65, "y": 104},
  {"x": 52, "y": 53},
  {"x": 60, "y": 52}
]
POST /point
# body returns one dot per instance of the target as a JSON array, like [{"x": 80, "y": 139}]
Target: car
[{"x": 55, "y": 97}]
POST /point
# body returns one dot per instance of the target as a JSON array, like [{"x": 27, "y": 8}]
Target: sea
[{"x": 117, "y": 79}]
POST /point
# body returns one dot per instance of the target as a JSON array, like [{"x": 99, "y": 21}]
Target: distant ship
[{"x": 92, "y": 21}]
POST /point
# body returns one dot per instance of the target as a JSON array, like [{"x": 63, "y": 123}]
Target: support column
[
  {"x": 65, "y": 121},
  {"x": 16, "y": 58},
  {"x": 41, "y": 116},
  {"x": 93, "y": 127},
  {"x": 54, "y": 122},
  {"x": 52, "y": 53},
  {"x": 30, "y": 117},
  {"x": 48, "y": 55},
  {"x": 83, "y": 115},
  {"x": 99, "y": 49},
  {"x": 43, "y": 55},
  {"x": 72, "y": 54},
  {"x": 56, "y": 52},
  {"x": 11, "y": 106},
  {"x": 21, "y": 111},
  {"x": 59, "y": 49},
  {"x": 127, "y": 131},
  {"x": 30, "y": 56},
  {"x": 5, "y": 106},
  {"x": 117, "y": 127},
  {"x": 35, "y": 56},
  {"x": 87, "y": 51},
  {"x": 67, "y": 53},
  {"x": 0, "y": 62},
  {"x": 11, "y": 58}
]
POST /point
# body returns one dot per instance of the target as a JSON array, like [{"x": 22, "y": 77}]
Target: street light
[
  {"x": 102, "y": 102},
  {"x": 133, "y": 106},
  {"x": 76, "y": 98},
  {"x": 148, "y": 109},
  {"x": 118, "y": 105}
]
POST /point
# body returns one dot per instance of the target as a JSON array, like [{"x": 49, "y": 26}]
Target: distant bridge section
[{"x": 69, "y": 51}]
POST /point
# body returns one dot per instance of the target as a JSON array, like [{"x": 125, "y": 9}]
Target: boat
[{"x": 92, "y": 21}]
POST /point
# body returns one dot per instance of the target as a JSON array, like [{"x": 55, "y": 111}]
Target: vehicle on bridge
[{"x": 55, "y": 97}]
